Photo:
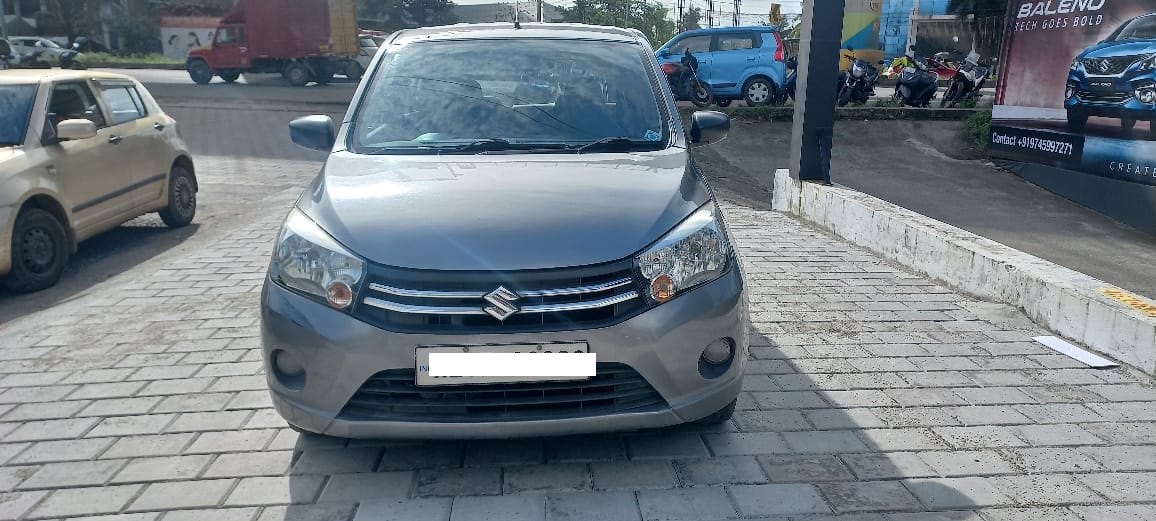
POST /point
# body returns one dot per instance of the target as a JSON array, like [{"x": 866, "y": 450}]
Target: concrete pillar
[{"x": 814, "y": 123}]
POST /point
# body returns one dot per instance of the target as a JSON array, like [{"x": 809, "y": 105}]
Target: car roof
[
  {"x": 741, "y": 28},
  {"x": 497, "y": 30},
  {"x": 26, "y": 76}
]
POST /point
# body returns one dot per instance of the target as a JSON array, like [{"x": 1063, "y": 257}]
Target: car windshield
[
  {"x": 15, "y": 108},
  {"x": 549, "y": 94},
  {"x": 1139, "y": 29},
  {"x": 48, "y": 43}
]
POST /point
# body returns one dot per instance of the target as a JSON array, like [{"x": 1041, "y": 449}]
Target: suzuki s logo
[
  {"x": 503, "y": 303},
  {"x": 1104, "y": 65}
]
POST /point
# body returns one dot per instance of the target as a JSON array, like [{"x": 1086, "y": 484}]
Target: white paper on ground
[{"x": 1063, "y": 347}]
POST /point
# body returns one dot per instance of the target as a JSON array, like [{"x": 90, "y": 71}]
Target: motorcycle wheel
[
  {"x": 844, "y": 96},
  {"x": 952, "y": 96},
  {"x": 700, "y": 93}
]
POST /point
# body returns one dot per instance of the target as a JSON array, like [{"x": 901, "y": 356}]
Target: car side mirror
[
  {"x": 313, "y": 132},
  {"x": 709, "y": 126},
  {"x": 72, "y": 129}
]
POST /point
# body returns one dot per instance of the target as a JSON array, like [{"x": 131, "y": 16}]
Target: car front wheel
[
  {"x": 182, "y": 198},
  {"x": 758, "y": 91},
  {"x": 200, "y": 72},
  {"x": 1077, "y": 121},
  {"x": 39, "y": 251}
]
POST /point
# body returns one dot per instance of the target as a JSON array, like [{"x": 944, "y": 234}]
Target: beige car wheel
[{"x": 182, "y": 198}]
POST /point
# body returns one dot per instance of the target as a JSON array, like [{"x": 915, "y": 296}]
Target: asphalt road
[{"x": 911, "y": 164}]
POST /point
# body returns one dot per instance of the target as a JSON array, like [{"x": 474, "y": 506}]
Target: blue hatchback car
[
  {"x": 746, "y": 63},
  {"x": 1116, "y": 78}
]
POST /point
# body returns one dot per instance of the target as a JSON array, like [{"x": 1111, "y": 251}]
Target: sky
[{"x": 755, "y": 8}]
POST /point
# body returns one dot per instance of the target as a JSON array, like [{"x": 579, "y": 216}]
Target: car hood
[
  {"x": 502, "y": 212},
  {"x": 1121, "y": 48}
]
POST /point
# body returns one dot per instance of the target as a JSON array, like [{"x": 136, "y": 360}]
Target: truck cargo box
[{"x": 296, "y": 28}]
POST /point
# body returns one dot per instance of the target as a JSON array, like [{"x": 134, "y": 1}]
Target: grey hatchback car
[{"x": 454, "y": 216}]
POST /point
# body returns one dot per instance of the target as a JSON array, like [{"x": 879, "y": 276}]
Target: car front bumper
[{"x": 663, "y": 345}]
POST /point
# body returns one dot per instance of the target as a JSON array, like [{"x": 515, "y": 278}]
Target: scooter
[
  {"x": 70, "y": 59},
  {"x": 684, "y": 80},
  {"x": 857, "y": 83},
  {"x": 916, "y": 86},
  {"x": 967, "y": 82}
]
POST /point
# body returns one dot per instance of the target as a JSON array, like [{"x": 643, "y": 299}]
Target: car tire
[
  {"x": 182, "y": 198},
  {"x": 354, "y": 71},
  {"x": 720, "y": 416},
  {"x": 1077, "y": 121},
  {"x": 297, "y": 74},
  {"x": 230, "y": 76},
  {"x": 39, "y": 251},
  {"x": 200, "y": 72},
  {"x": 758, "y": 91}
]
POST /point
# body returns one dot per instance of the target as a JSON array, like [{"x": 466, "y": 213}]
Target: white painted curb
[{"x": 1062, "y": 300}]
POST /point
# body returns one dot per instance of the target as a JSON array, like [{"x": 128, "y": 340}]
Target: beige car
[{"x": 81, "y": 153}]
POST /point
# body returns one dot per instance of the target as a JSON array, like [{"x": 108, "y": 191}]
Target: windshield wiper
[
  {"x": 499, "y": 144},
  {"x": 617, "y": 143}
]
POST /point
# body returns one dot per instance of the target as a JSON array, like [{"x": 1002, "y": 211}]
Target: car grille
[
  {"x": 421, "y": 301},
  {"x": 392, "y": 396},
  {"x": 1103, "y": 97},
  {"x": 1114, "y": 65}
]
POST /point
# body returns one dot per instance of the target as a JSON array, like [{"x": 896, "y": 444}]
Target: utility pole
[
  {"x": 710, "y": 13},
  {"x": 737, "y": 4},
  {"x": 4, "y": 19},
  {"x": 540, "y": 20},
  {"x": 814, "y": 123}
]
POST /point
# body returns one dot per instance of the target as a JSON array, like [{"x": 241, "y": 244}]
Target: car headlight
[
  {"x": 694, "y": 252},
  {"x": 1148, "y": 63},
  {"x": 310, "y": 261}
]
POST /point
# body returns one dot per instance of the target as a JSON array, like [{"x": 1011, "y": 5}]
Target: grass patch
[
  {"x": 978, "y": 132},
  {"x": 141, "y": 59}
]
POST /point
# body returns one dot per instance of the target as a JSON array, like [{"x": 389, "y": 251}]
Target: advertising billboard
[{"x": 1077, "y": 88}]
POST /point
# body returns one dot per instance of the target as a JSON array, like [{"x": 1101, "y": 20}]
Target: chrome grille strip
[
  {"x": 402, "y": 292},
  {"x": 578, "y": 306},
  {"x": 465, "y": 310},
  {"x": 427, "y": 310},
  {"x": 580, "y": 290}
]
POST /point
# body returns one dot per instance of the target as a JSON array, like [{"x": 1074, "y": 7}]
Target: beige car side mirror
[{"x": 71, "y": 129}]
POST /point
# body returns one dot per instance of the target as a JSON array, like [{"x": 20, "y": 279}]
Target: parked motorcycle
[
  {"x": 857, "y": 83},
  {"x": 6, "y": 54},
  {"x": 685, "y": 83},
  {"x": 967, "y": 82},
  {"x": 916, "y": 86},
  {"x": 70, "y": 59},
  {"x": 788, "y": 90}
]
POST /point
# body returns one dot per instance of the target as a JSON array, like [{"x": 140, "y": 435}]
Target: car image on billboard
[{"x": 1078, "y": 88}]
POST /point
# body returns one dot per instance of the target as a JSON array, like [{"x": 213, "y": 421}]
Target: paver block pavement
[{"x": 875, "y": 395}]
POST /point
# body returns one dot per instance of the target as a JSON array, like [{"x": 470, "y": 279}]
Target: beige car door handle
[{"x": 115, "y": 139}]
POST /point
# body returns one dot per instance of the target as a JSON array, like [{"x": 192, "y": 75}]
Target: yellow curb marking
[{"x": 1131, "y": 300}]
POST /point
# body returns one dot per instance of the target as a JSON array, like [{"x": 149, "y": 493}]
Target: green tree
[
  {"x": 976, "y": 9},
  {"x": 690, "y": 19},
  {"x": 651, "y": 18}
]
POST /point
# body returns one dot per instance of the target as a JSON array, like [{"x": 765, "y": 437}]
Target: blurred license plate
[{"x": 514, "y": 363}]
